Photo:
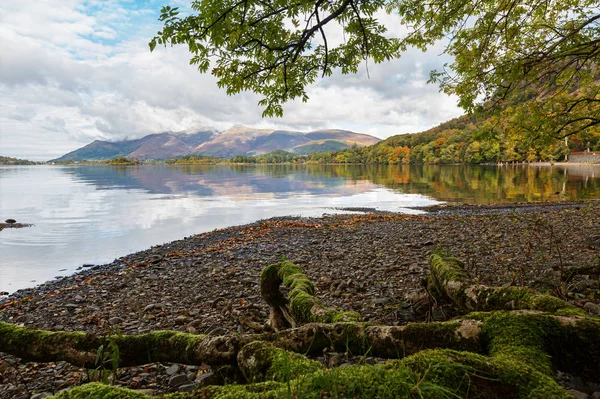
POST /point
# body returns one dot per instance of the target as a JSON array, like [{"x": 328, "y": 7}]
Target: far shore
[{"x": 146, "y": 163}]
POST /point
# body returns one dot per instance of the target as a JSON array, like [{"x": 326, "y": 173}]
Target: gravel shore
[{"x": 370, "y": 263}]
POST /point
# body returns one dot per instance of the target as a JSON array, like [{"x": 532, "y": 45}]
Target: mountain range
[{"x": 239, "y": 140}]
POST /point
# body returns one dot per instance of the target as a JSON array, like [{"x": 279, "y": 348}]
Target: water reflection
[
  {"x": 461, "y": 183},
  {"x": 95, "y": 214}
]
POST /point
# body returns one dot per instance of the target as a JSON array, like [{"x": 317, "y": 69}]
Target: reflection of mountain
[
  {"x": 239, "y": 140},
  {"x": 219, "y": 180},
  {"x": 461, "y": 183}
]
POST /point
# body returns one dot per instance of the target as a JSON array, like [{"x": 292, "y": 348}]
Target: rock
[
  {"x": 578, "y": 394},
  {"x": 178, "y": 380},
  {"x": 115, "y": 320},
  {"x": 181, "y": 320},
  {"x": 415, "y": 269},
  {"x": 592, "y": 308},
  {"x": 217, "y": 331},
  {"x": 10, "y": 221},
  {"x": 205, "y": 379},
  {"x": 595, "y": 395},
  {"x": 40, "y": 395},
  {"x": 187, "y": 387},
  {"x": 381, "y": 301},
  {"x": 173, "y": 369}
]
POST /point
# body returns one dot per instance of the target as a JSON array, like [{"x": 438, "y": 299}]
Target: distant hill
[
  {"x": 239, "y": 140},
  {"x": 467, "y": 139},
  {"x": 16, "y": 161}
]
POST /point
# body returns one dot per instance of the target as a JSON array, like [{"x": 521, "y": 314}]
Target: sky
[{"x": 74, "y": 71}]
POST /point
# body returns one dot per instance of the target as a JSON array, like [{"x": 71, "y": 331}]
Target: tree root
[
  {"x": 301, "y": 305},
  {"x": 448, "y": 281},
  {"x": 509, "y": 347}
]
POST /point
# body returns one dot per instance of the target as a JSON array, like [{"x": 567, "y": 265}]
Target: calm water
[{"x": 95, "y": 214}]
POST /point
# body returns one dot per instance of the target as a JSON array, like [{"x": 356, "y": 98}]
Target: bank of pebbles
[{"x": 371, "y": 263}]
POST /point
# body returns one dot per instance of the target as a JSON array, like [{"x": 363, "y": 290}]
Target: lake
[{"x": 94, "y": 214}]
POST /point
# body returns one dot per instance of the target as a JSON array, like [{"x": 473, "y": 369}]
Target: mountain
[{"x": 239, "y": 140}]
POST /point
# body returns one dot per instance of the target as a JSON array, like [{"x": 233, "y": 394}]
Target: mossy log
[
  {"x": 490, "y": 353},
  {"x": 448, "y": 281},
  {"x": 169, "y": 346}
]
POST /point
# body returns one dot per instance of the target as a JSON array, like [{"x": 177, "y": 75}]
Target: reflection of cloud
[{"x": 81, "y": 220}]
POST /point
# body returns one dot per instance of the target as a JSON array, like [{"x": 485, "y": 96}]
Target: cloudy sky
[{"x": 73, "y": 71}]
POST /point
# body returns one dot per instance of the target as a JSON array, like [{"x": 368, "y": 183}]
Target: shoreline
[
  {"x": 445, "y": 209},
  {"x": 369, "y": 263},
  {"x": 543, "y": 163}
]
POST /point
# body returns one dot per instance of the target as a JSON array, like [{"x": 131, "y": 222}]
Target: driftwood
[{"x": 508, "y": 345}]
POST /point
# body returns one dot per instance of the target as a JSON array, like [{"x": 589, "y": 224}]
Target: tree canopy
[{"x": 535, "y": 59}]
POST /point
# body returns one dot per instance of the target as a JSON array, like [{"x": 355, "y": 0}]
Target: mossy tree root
[
  {"x": 169, "y": 346},
  {"x": 81, "y": 349},
  {"x": 448, "y": 281},
  {"x": 518, "y": 360},
  {"x": 487, "y": 354},
  {"x": 301, "y": 305}
]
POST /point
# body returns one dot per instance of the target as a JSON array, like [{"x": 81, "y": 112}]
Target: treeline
[
  {"x": 16, "y": 161},
  {"x": 461, "y": 140},
  {"x": 192, "y": 160},
  {"x": 277, "y": 156}
]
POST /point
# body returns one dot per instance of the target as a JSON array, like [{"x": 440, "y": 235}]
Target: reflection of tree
[{"x": 464, "y": 183}]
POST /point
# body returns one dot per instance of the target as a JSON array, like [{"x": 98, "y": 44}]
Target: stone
[
  {"x": 10, "y": 221},
  {"x": 381, "y": 301},
  {"x": 414, "y": 269},
  {"x": 177, "y": 380},
  {"x": 115, "y": 320},
  {"x": 187, "y": 387},
  {"x": 40, "y": 395},
  {"x": 173, "y": 369},
  {"x": 592, "y": 308},
  {"x": 578, "y": 394},
  {"x": 595, "y": 395},
  {"x": 181, "y": 320}
]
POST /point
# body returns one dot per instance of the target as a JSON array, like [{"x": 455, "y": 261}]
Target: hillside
[
  {"x": 153, "y": 146},
  {"x": 466, "y": 139},
  {"x": 239, "y": 140}
]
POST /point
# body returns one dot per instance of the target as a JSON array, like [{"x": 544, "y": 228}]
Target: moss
[
  {"x": 521, "y": 338},
  {"x": 474, "y": 375},
  {"x": 99, "y": 391},
  {"x": 260, "y": 361},
  {"x": 449, "y": 281},
  {"x": 304, "y": 306},
  {"x": 549, "y": 303},
  {"x": 336, "y": 317}
]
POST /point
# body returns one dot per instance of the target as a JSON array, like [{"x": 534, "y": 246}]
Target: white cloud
[{"x": 72, "y": 71}]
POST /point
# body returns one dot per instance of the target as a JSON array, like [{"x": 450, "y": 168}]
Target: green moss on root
[
  {"x": 99, "y": 391},
  {"x": 260, "y": 361},
  {"x": 449, "y": 281},
  {"x": 304, "y": 306}
]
